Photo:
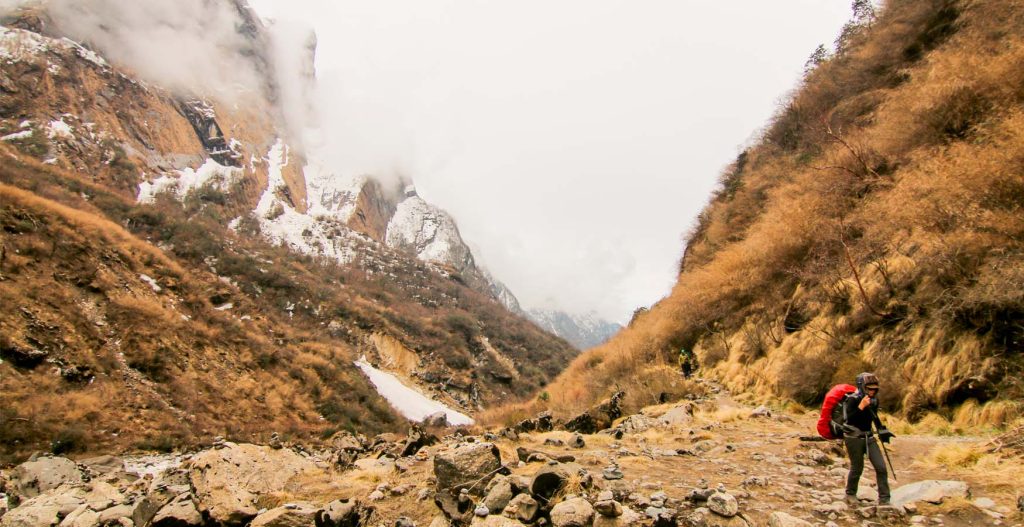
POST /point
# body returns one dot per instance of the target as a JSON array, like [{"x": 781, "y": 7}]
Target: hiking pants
[{"x": 855, "y": 447}]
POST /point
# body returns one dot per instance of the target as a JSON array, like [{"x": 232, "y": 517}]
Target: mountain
[
  {"x": 582, "y": 331},
  {"x": 876, "y": 225},
  {"x": 176, "y": 265}
]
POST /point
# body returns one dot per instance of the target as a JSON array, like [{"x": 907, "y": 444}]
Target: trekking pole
[{"x": 882, "y": 444}]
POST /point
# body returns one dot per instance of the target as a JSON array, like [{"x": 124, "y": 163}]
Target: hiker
[
  {"x": 686, "y": 362},
  {"x": 860, "y": 411}
]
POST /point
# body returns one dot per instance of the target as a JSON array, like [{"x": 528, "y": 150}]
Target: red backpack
[{"x": 833, "y": 402}]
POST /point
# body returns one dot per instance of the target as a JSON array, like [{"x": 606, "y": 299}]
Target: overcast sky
[{"x": 573, "y": 141}]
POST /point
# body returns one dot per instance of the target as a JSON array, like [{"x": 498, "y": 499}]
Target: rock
[
  {"x": 761, "y": 411},
  {"x": 678, "y": 415},
  {"x": 550, "y": 479},
  {"x": 522, "y": 507},
  {"x": 703, "y": 517},
  {"x": 405, "y": 521},
  {"x": 723, "y": 504},
  {"x": 456, "y": 507},
  {"x": 700, "y": 495},
  {"x": 628, "y": 518},
  {"x": 499, "y": 495},
  {"x": 890, "y": 513},
  {"x": 342, "y": 513},
  {"x": 375, "y": 496},
  {"x": 470, "y": 465},
  {"x": 612, "y": 473},
  {"x": 481, "y": 511},
  {"x": 43, "y": 510},
  {"x": 104, "y": 464},
  {"x": 637, "y": 423},
  {"x": 180, "y": 512},
  {"x": 984, "y": 503},
  {"x": 599, "y": 417},
  {"x": 113, "y": 514},
  {"x": 781, "y": 519},
  {"x": 608, "y": 507},
  {"x": 416, "y": 440},
  {"x": 577, "y": 441},
  {"x": 83, "y": 516},
  {"x": 228, "y": 480},
  {"x": 32, "y": 478},
  {"x": 931, "y": 491},
  {"x": 494, "y": 521},
  {"x": 290, "y": 515},
  {"x": 820, "y": 457},
  {"x": 435, "y": 420},
  {"x": 575, "y": 512}
]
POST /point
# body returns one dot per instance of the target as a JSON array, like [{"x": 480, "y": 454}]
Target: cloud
[{"x": 192, "y": 47}]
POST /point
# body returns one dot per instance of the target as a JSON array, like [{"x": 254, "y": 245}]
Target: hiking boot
[
  {"x": 883, "y": 502},
  {"x": 852, "y": 500}
]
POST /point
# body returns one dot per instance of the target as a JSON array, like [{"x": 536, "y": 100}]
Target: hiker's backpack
[{"x": 831, "y": 420}]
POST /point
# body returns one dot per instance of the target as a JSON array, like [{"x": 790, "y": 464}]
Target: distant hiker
[
  {"x": 686, "y": 362},
  {"x": 860, "y": 411}
]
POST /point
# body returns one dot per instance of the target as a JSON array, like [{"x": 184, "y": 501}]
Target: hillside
[
  {"x": 875, "y": 225},
  {"x": 171, "y": 269}
]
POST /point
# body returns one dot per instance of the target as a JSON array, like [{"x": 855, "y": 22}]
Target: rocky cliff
[
  {"x": 582, "y": 331},
  {"x": 175, "y": 267}
]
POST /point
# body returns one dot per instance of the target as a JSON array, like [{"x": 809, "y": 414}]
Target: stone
[
  {"x": 984, "y": 503},
  {"x": 416, "y": 440},
  {"x": 104, "y": 464},
  {"x": 628, "y": 518},
  {"x": 481, "y": 511},
  {"x": 342, "y": 513},
  {"x": 781, "y": 519},
  {"x": 723, "y": 504},
  {"x": 575, "y": 512},
  {"x": 499, "y": 495},
  {"x": 599, "y": 417},
  {"x": 436, "y": 420},
  {"x": 612, "y": 473},
  {"x": 637, "y": 423},
  {"x": 83, "y": 516},
  {"x": 608, "y": 508},
  {"x": 33, "y": 478},
  {"x": 470, "y": 466},
  {"x": 180, "y": 512},
  {"x": 550, "y": 479},
  {"x": 931, "y": 491},
  {"x": 228, "y": 480},
  {"x": 494, "y": 521},
  {"x": 404, "y": 521},
  {"x": 522, "y": 507},
  {"x": 115, "y": 513},
  {"x": 761, "y": 411},
  {"x": 290, "y": 515},
  {"x": 577, "y": 441},
  {"x": 678, "y": 415}
]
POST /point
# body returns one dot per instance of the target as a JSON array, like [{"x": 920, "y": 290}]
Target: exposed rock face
[
  {"x": 342, "y": 513},
  {"x": 181, "y": 512},
  {"x": 290, "y": 515},
  {"x": 32, "y": 478},
  {"x": 931, "y": 491},
  {"x": 599, "y": 417},
  {"x": 228, "y": 480}
]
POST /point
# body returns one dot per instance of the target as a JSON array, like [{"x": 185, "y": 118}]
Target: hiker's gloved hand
[{"x": 885, "y": 435}]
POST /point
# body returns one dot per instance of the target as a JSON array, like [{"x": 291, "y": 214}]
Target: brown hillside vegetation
[
  {"x": 112, "y": 337},
  {"x": 875, "y": 226}
]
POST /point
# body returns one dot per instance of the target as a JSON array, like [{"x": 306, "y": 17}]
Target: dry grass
[{"x": 877, "y": 226}]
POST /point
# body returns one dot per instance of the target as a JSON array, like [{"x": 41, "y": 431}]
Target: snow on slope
[
  {"x": 428, "y": 232},
  {"x": 409, "y": 402}
]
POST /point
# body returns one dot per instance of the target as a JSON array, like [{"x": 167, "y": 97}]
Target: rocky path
[{"x": 704, "y": 463}]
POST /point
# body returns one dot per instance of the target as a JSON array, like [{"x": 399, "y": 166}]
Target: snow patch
[
  {"x": 410, "y": 403},
  {"x": 211, "y": 174},
  {"x": 152, "y": 283},
  {"x": 429, "y": 232},
  {"x": 24, "y": 134},
  {"x": 60, "y": 130}
]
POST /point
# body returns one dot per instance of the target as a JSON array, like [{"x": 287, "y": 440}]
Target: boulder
[
  {"x": 83, "y": 516},
  {"x": 469, "y": 466},
  {"x": 180, "y": 512},
  {"x": 104, "y": 464},
  {"x": 678, "y": 415},
  {"x": 342, "y": 513},
  {"x": 522, "y": 507},
  {"x": 416, "y": 440},
  {"x": 781, "y": 519},
  {"x": 637, "y": 423},
  {"x": 576, "y": 512},
  {"x": 599, "y": 417},
  {"x": 628, "y": 518},
  {"x": 761, "y": 411},
  {"x": 33, "y": 478},
  {"x": 931, "y": 491},
  {"x": 703, "y": 517},
  {"x": 723, "y": 504},
  {"x": 290, "y": 515},
  {"x": 436, "y": 420},
  {"x": 228, "y": 480},
  {"x": 552, "y": 478},
  {"x": 45, "y": 509},
  {"x": 115, "y": 513},
  {"x": 456, "y": 507},
  {"x": 577, "y": 441},
  {"x": 494, "y": 521},
  {"x": 499, "y": 494},
  {"x": 608, "y": 508}
]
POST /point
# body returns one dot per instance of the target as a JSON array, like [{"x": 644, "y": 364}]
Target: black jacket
[{"x": 861, "y": 419}]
